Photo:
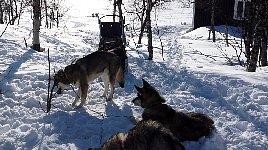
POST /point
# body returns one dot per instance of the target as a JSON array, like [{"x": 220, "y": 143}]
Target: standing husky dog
[
  {"x": 185, "y": 126},
  {"x": 146, "y": 135},
  {"x": 89, "y": 68}
]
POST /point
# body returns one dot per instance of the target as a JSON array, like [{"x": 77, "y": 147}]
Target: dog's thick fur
[
  {"x": 146, "y": 135},
  {"x": 89, "y": 68},
  {"x": 185, "y": 126}
]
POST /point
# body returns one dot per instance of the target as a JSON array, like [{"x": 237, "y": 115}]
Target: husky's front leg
[
  {"x": 84, "y": 90},
  {"x": 105, "y": 79},
  {"x": 78, "y": 96},
  {"x": 112, "y": 90}
]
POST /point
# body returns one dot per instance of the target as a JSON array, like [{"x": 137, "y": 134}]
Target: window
[{"x": 241, "y": 9}]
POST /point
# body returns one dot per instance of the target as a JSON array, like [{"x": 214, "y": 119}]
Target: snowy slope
[{"x": 193, "y": 75}]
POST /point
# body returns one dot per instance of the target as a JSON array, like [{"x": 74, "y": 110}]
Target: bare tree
[
  {"x": 212, "y": 29},
  {"x": 142, "y": 20},
  {"x": 1, "y": 12},
  {"x": 263, "y": 51},
  {"x": 50, "y": 12},
  {"x": 256, "y": 34},
  {"x": 146, "y": 23},
  {"x": 118, "y": 3}
]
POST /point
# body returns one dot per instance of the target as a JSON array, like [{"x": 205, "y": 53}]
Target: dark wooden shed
[{"x": 227, "y": 12}]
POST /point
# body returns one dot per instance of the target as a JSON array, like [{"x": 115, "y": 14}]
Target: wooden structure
[
  {"x": 227, "y": 12},
  {"x": 112, "y": 38}
]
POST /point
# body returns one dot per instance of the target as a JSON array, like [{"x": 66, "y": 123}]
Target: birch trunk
[
  {"x": 1, "y": 12},
  {"x": 36, "y": 24},
  {"x": 143, "y": 22}
]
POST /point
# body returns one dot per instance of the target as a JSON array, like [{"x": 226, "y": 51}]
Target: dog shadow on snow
[
  {"x": 9, "y": 74},
  {"x": 117, "y": 119},
  {"x": 83, "y": 128}
]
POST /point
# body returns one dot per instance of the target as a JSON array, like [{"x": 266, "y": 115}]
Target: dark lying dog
[
  {"x": 146, "y": 135},
  {"x": 185, "y": 126}
]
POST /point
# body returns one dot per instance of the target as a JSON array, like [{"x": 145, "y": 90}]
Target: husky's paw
[
  {"x": 73, "y": 104},
  {"x": 109, "y": 98},
  {"x": 103, "y": 95},
  {"x": 79, "y": 106}
]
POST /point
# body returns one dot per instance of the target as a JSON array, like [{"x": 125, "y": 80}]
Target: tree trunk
[
  {"x": 252, "y": 64},
  {"x": 19, "y": 14},
  {"x": 11, "y": 13},
  {"x": 213, "y": 21},
  {"x": 256, "y": 34},
  {"x": 45, "y": 3},
  {"x": 149, "y": 29},
  {"x": 114, "y": 11},
  {"x": 119, "y": 4},
  {"x": 36, "y": 24},
  {"x": 143, "y": 21},
  {"x": 263, "y": 51},
  {"x": 1, "y": 12},
  {"x": 142, "y": 30},
  {"x": 248, "y": 43},
  {"x": 57, "y": 19}
]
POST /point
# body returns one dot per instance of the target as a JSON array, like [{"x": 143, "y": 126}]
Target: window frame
[{"x": 236, "y": 15}]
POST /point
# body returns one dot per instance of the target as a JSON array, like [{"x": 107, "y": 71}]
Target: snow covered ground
[{"x": 193, "y": 75}]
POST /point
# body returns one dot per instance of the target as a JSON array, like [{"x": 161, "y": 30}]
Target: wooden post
[{"x": 213, "y": 21}]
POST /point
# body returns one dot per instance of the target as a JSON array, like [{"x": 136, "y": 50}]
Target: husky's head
[
  {"x": 147, "y": 96},
  {"x": 61, "y": 81}
]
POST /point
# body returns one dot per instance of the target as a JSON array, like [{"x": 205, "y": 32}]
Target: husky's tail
[{"x": 120, "y": 77}]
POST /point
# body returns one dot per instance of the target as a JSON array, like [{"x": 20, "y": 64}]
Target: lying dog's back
[
  {"x": 185, "y": 126},
  {"x": 154, "y": 136},
  {"x": 146, "y": 135}
]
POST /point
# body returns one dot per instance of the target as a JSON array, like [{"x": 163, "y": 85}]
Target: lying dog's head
[
  {"x": 61, "y": 81},
  {"x": 147, "y": 96}
]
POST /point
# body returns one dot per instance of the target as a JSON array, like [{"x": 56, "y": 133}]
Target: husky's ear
[{"x": 145, "y": 83}]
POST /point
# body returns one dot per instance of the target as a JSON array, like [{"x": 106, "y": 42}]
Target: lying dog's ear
[
  {"x": 145, "y": 83},
  {"x": 138, "y": 88}
]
